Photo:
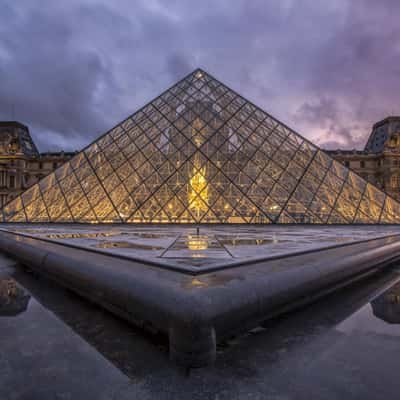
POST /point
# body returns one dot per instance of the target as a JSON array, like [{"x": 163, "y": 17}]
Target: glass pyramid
[{"x": 201, "y": 153}]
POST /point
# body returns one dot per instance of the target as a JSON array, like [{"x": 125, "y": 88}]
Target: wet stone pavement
[
  {"x": 55, "y": 345},
  {"x": 208, "y": 244}
]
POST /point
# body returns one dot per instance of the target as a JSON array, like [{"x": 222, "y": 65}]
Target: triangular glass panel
[
  {"x": 36, "y": 210},
  {"x": 12, "y": 210},
  {"x": 18, "y": 217},
  {"x": 66, "y": 216},
  {"x": 80, "y": 209},
  {"x": 320, "y": 209},
  {"x": 336, "y": 218}
]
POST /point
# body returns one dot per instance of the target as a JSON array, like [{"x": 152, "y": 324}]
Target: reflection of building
[
  {"x": 201, "y": 153},
  {"x": 21, "y": 165},
  {"x": 379, "y": 162},
  {"x": 387, "y": 305},
  {"x": 13, "y": 299}
]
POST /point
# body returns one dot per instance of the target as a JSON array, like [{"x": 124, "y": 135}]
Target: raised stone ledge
[{"x": 198, "y": 311}]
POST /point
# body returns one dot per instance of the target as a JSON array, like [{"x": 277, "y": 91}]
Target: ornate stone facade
[
  {"x": 379, "y": 162},
  {"x": 21, "y": 164}
]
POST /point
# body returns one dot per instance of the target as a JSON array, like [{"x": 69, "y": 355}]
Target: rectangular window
[
  {"x": 362, "y": 164},
  {"x": 394, "y": 181},
  {"x": 12, "y": 181},
  {"x": 347, "y": 164}
]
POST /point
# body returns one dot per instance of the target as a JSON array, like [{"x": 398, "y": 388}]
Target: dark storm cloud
[
  {"x": 72, "y": 70},
  {"x": 177, "y": 65},
  {"x": 356, "y": 74},
  {"x": 326, "y": 114},
  {"x": 51, "y": 80}
]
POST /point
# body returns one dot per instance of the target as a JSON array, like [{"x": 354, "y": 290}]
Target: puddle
[
  {"x": 196, "y": 242},
  {"x": 77, "y": 235},
  {"x": 337, "y": 239},
  {"x": 381, "y": 316},
  {"x": 127, "y": 245},
  {"x": 387, "y": 306},
  {"x": 13, "y": 299},
  {"x": 210, "y": 280},
  {"x": 197, "y": 246},
  {"x": 237, "y": 241},
  {"x": 250, "y": 242},
  {"x": 153, "y": 235}
]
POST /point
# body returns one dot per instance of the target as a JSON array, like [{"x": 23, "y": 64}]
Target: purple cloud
[{"x": 72, "y": 70}]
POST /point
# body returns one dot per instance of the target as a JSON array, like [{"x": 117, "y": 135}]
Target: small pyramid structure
[{"x": 201, "y": 153}]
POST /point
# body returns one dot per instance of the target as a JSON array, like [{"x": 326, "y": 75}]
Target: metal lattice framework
[{"x": 201, "y": 153}]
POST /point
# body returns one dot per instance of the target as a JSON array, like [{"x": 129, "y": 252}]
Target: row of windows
[
  {"x": 42, "y": 165},
  {"x": 362, "y": 164},
  {"x": 10, "y": 180},
  {"x": 34, "y": 165}
]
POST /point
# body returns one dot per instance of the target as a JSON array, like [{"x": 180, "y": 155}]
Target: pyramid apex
[{"x": 198, "y": 72}]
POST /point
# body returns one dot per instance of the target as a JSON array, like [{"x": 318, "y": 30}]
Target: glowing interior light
[
  {"x": 196, "y": 242},
  {"x": 197, "y": 282},
  {"x": 198, "y": 195}
]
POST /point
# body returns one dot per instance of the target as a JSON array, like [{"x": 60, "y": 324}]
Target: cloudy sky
[{"x": 72, "y": 69}]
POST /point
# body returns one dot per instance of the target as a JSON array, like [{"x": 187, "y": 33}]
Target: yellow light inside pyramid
[
  {"x": 196, "y": 242},
  {"x": 198, "y": 194}
]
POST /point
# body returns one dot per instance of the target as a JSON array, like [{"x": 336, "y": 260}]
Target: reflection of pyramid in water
[{"x": 202, "y": 153}]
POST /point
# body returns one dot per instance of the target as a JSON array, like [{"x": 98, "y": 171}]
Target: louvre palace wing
[{"x": 201, "y": 153}]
